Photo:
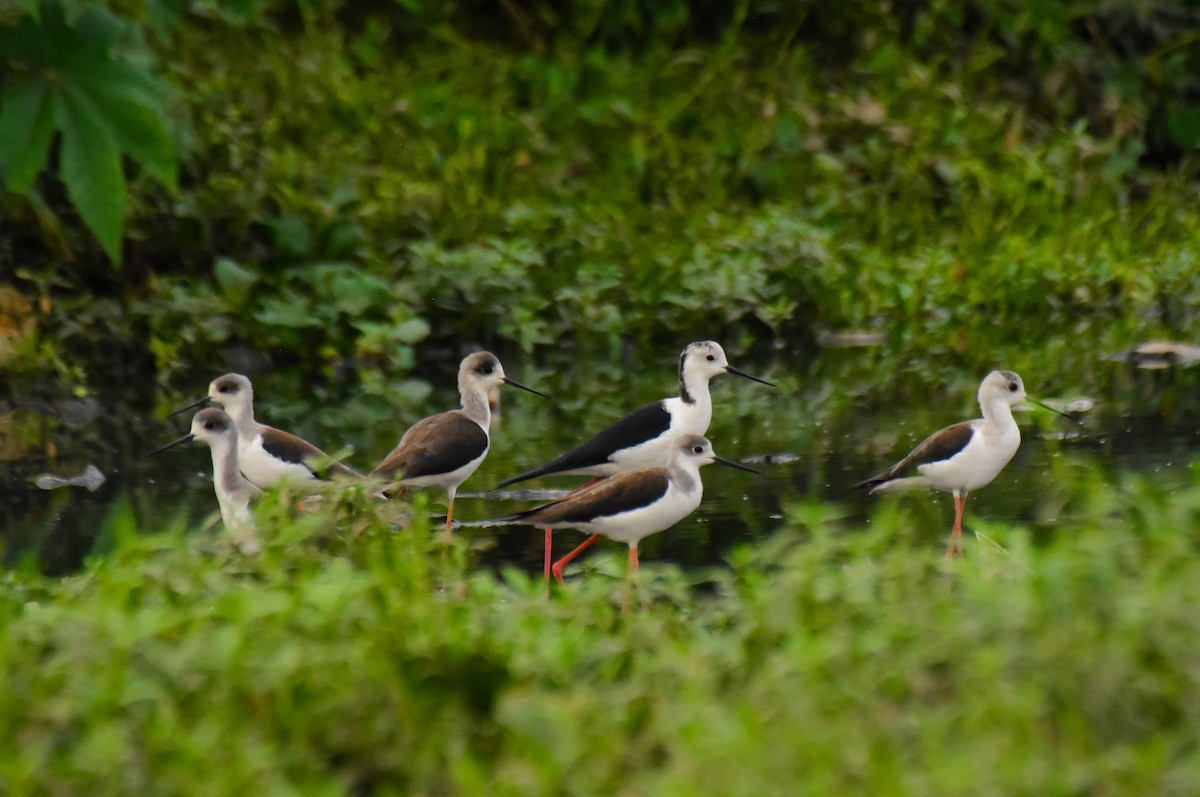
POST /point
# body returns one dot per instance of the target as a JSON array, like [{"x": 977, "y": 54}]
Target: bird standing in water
[
  {"x": 234, "y": 491},
  {"x": 266, "y": 455},
  {"x": 965, "y": 456},
  {"x": 633, "y": 505},
  {"x": 443, "y": 450},
  {"x": 644, "y": 437}
]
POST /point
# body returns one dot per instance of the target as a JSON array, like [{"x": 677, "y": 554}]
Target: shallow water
[{"x": 825, "y": 428}]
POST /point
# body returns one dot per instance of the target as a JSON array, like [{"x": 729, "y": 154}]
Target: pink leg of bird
[
  {"x": 633, "y": 576},
  {"x": 561, "y": 563},
  {"x": 955, "y": 547},
  {"x": 449, "y": 515},
  {"x": 549, "y": 546}
]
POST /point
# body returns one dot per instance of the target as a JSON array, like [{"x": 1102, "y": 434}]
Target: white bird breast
[
  {"x": 449, "y": 480},
  {"x": 635, "y": 525},
  {"x": 265, "y": 470},
  {"x": 685, "y": 419},
  {"x": 977, "y": 464}
]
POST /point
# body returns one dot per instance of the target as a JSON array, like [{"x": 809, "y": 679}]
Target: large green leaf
[
  {"x": 26, "y": 40},
  {"x": 47, "y": 39},
  {"x": 121, "y": 79},
  {"x": 98, "y": 28},
  {"x": 84, "y": 77},
  {"x": 90, "y": 167},
  {"x": 26, "y": 129},
  {"x": 142, "y": 133},
  {"x": 132, "y": 100}
]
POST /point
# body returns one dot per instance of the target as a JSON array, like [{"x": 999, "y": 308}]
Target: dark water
[{"x": 826, "y": 427}]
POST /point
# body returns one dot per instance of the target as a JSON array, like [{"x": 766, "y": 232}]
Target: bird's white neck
[
  {"x": 225, "y": 465},
  {"x": 997, "y": 413},
  {"x": 693, "y": 388},
  {"x": 242, "y": 413},
  {"x": 685, "y": 475},
  {"x": 692, "y": 418},
  {"x": 475, "y": 405}
]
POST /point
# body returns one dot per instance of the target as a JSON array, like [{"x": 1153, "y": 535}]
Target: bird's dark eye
[
  {"x": 210, "y": 425},
  {"x": 223, "y": 389},
  {"x": 697, "y": 449},
  {"x": 1012, "y": 386},
  {"x": 711, "y": 357},
  {"x": 484, "y": 369}
]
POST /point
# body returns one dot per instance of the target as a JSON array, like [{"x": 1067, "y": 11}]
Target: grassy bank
[
  {"x": 350, "y": 658},
  {"x": 359, "y": 181}
]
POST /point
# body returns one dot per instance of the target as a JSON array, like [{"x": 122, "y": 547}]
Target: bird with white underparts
[
  {"x": 266, "y": 455},
  {"x": 443, "y": 450},
  {"x": 234, "y": 491},
  {"x": 644, "y": 437},
  {"x": 630, "y": 506},
  {"x": 964, "y": 456}
]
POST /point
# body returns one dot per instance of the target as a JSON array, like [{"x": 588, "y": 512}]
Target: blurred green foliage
[
  {"x": 358, "y": 178},
  {"x": 351, "y": 657},
  {"x": 79, "y": 79}
]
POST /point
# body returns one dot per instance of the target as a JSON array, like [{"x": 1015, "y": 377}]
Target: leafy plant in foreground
[
  {"x": 357, "y": 654},
  {"x": 74, "y": 77}
]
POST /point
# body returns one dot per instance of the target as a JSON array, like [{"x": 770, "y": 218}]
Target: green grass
[{"x": 353, "y": 659}]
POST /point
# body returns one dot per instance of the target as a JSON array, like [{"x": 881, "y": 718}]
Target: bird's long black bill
[
  {"x": 738, "y": 372},
  {"x": 729, "y": 463},
  {"x": 192, "y": 406},
  {"x": 514, "y": 383},
  {"x": 1056, "y": 412},
  {"x": 187, "y": 438}
]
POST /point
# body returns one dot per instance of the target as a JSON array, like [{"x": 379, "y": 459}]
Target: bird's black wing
[
  {"x": 289, "y": 448},
  {"x": 636, "y": 427},
  {"x": 940, "y": 445},
  {"x": 621, "y": 493},
  {"x": 435, "y": 445}
]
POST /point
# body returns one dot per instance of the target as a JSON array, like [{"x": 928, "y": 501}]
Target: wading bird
[
  {"x": 443, "y": 450},
  {"x": 643, "y": 437},
  {"x": 965, "y": 456},
  {"x": 266, "y": 455},
  {"x": 234, "y": 491},
  {"x": 632, "y": 505}
]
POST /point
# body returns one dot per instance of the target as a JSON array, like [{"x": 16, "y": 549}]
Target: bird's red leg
[
  {"x": 635, "y": 571},
  {"x": 549, "y": 553},
  {"x": 449, "y": 515},
  {"x": 557, "y": 569},
  {"x": 628, "y": 577},
  {"x": 955, "y": 546}
]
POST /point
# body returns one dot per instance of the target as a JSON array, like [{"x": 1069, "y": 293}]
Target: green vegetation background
[{"x": 343, "y": 183}]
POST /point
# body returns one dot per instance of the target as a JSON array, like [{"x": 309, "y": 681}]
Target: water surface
[{"x": 826, "y": 427}]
